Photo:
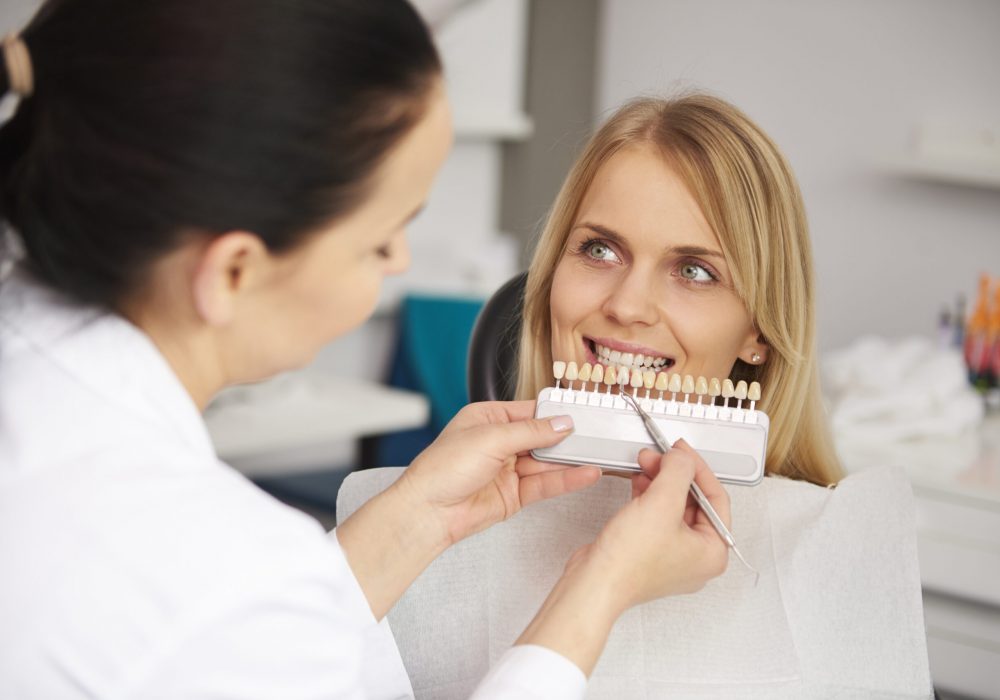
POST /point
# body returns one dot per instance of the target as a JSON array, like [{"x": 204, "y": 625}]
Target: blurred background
[{"x": 889, "y": 111}]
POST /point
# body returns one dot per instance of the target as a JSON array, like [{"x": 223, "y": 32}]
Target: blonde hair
[{"x": 749, "y": 196}]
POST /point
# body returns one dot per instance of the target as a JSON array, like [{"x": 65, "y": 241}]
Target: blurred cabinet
[{"x": 956, "y": 484}]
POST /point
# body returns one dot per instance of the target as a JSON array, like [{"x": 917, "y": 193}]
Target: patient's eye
[
  {"x": 596, "y": 249},
  {"x": 697, "y": 272}
]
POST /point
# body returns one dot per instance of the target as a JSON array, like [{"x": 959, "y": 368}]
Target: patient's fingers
[{"x": 541, "y": 480}]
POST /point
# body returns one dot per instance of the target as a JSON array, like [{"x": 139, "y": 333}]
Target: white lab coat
[{"x": 134, "y": 564}]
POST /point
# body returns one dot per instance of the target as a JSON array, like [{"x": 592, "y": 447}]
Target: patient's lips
[{"x": 614, "y": 352}]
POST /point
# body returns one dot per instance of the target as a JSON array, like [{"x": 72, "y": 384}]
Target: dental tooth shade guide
[{"x": 607, "y": 433}]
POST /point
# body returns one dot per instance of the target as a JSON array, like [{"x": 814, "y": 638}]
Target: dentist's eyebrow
[
  {"x": 693, "y": 250},
  {"x": 415, "y": 213}
]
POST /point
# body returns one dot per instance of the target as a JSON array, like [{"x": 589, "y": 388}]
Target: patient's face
[{"x": 644, "y": 274}]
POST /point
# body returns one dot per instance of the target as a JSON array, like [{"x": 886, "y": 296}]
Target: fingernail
[
  {"x": 681, "y": 442},
  {"x": 561, "y": 424}
]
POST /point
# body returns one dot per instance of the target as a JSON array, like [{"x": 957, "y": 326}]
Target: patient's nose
[{"x": 633, "y": 301}]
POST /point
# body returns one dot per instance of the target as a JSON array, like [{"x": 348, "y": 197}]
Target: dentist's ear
[{"x": 228, "y": 267}]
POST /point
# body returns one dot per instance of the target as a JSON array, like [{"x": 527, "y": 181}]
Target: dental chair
[{"x": 491, "y": 364}]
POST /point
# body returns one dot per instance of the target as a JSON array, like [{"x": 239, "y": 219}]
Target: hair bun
[{"x": 18, "y": 76}]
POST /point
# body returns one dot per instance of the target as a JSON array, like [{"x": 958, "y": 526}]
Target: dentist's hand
[
  {"x": 659, "y": 544},
  {"x": 479, "y": 472}
]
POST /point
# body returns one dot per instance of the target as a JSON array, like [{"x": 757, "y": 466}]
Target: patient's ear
[
  {"x": 755, "y": 350},
  {"x": 228, "y": 267}
]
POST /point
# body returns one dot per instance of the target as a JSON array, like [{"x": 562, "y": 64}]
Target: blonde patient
[
  {"x": 680, "y": 236},
  {"x": 679, "y": 241}
]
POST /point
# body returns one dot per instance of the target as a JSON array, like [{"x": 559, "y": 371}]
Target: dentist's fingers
[
  {"x": 541, "y": 480},
  {"x": 506, "y": 440}
]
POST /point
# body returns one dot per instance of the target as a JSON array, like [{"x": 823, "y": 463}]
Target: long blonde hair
[{"x": 749, "y": 196}]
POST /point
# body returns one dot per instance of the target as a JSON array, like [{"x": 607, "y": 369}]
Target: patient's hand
[{"x": 479, "y": 472}]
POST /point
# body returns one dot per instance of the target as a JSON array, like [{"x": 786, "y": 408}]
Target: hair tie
[{"x": 18, "y": 60}]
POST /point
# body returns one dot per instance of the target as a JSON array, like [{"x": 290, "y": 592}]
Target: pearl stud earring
[{"x": 755, "y": 358}]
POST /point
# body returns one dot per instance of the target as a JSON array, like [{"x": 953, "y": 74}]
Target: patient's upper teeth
[
  {"x": 627, "y": 358},
  {"x": 639, "y": 359},
  {"x": 647, "y": 361},
  {"x": 615, "y": 356}
]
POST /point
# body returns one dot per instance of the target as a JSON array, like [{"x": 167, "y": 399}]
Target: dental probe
[{"x": 654, "y": 432}]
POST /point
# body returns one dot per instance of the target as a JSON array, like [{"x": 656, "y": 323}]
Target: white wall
[{"x": 839, "y": 86}]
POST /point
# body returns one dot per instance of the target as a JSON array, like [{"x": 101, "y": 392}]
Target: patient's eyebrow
[
  {"x": 693, "y": 250},
  {"x": 603, "y": 231},
  {"x": 696, "y": 250}
]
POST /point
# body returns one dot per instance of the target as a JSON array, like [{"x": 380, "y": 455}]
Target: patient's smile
[{"x": 607, "y": 351}]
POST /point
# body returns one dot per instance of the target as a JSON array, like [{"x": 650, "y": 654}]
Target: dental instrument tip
[{"x": 756, "y": 574}]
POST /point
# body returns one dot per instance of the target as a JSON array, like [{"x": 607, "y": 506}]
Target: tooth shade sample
[
  {"x": 675, "y": 382},
  {"x": 597, "y": 375},
  {"x": 648, "y": 378},
  {"x": 622, "y": 377},
  {"x": 585, "y": 371},
  {"x": 754, "y": 392},
  {"x": 687, "y": 386},
  {"x": 714, "y": 387},
  {"x": 609, "y": 376},
  {"x": 701, "y": 386},
  {"x": 571, "y": 372},
  {"x": 727, "y": 389},
  {"x": 636, "y": 378},
  {"x": 558, "y": 369},
  {"x": 741, "y": 390},
  {"x": 662, "y": 381}
]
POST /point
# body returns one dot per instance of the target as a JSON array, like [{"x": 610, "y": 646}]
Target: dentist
[{"x": 202, "y": 194}]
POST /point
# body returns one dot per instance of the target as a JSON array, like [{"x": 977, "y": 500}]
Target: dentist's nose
[
  {"x": 633, "y": 300},
  {"x": 399, "y": 259}
]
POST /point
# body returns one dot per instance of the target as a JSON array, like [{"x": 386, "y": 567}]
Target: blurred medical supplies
[
  {"x": 883, "y": 391},
  {"x": 732, "y": 439},
  {"x": 978, "y": 338}
]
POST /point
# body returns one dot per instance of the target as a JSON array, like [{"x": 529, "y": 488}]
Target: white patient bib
[{"x": 837, "y": 611}]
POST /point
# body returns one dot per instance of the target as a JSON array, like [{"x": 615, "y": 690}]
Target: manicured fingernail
[{"x": 561, "y": 424}]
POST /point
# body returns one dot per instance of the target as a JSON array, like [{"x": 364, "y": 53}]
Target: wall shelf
[{"x": 969, "y": 172}]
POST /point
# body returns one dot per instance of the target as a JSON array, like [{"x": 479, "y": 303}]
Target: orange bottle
[
  {"x": 993, "y": 339},
  {"x": 977, "y": 350}
]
